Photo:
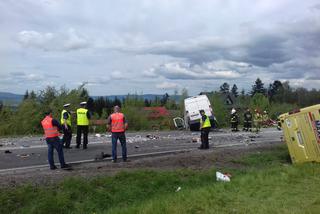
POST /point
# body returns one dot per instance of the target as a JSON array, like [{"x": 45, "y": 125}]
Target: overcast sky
[{"x": 157, "y": 46}]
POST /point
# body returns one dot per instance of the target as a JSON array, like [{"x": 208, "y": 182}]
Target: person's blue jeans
[
  {"x": 122, "y": 138},
  {"x": 55, "y": 143}
]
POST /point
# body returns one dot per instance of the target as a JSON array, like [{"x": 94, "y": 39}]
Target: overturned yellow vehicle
[{"x": 301, "y": 129}]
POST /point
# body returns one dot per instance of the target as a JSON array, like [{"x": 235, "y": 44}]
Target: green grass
[{"x": 267, "y": 184}]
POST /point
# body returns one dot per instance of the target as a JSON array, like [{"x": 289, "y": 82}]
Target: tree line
[{"x": 277, "y": 98}]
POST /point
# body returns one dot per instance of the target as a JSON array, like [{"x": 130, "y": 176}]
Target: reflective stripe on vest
[
  {"x": 68, "y": 120},
  {"x": 50, "y": 131},
  {"x": 206, "y": 123},
  {"x": 82, "y": 119},
  {"x": 117, "y": 122}
]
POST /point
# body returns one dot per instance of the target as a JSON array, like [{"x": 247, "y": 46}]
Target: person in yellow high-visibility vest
[
  {"x": 65, "y": 121},
  {"x": 83, "y": 117},
  {"x": 205, "y": 126}
]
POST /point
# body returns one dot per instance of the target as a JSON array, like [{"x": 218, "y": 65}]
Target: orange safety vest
[
  {"x": 117, "y": 122},
  {"x": 50, "y": 131}
]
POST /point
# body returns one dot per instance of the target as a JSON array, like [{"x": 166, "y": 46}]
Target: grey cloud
[
  {"x": 67, "y": 41},
  {"x": 185, "y": 71},
  {"x": 267, "y": 50}
]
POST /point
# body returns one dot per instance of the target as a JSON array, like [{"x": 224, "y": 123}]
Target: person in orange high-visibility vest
[
  {"x": 51, "y": 128},
  {"x": 117, "y": 124}
]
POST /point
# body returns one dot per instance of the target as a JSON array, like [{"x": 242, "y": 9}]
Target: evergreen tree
[
  {"x": 116, "y": 102},
  {"x": 234, "y": 90},
  {"x": 33, "y": 95},
  {"x": 275, "y": 90},
  {"x": 147, "y": 103},
  {"x": 225, "y": 88},
  {"x": 258, "y": 88},
  {"x": 26, "y": 95}
]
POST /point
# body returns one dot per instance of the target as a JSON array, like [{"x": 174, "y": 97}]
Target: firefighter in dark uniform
[
  {"x": 247, "y": 122},
  {"x": 205, "y": 126},
  {"x": 234, "y": 120},
  {"x": 66, "y": 126}
]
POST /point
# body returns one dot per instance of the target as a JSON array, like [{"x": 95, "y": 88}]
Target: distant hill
[
  {"x": 143, "y": 96},
  {"x": 14, "y": 99},
  {"x": 10, "y": 98}
]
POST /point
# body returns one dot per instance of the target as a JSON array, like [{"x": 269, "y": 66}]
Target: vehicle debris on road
[{"x": 7, "y": 152}]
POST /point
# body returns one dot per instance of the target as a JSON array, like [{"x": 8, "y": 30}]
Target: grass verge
[{"x": 267, "y": 184}]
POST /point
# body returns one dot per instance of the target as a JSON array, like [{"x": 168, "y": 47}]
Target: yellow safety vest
[
  {"x": 82, "y": 119},
  {"x": 206, "y": 123},
  {"x": 62, "y": 119}
]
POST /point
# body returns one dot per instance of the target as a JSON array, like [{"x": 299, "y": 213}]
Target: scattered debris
[
  {"x": 222, "y": 177},
  {"x": 195, "y": 140},
  {"x": 152, "y": 137},
  {"x": 98, "y": 135},
  {"x": 7, "y": 152},
  {"x": 178, "y": 189},
  {"x": 136, "y": 147},
  {"x": 101, "y": 156},
  {"x": 23, "y": 155}
]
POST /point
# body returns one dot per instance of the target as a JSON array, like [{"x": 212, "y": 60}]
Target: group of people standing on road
[
  {"x": 116, "y": 123},
  {"x": 250, "y": 120}
]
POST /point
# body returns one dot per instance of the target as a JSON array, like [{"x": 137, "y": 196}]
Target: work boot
[
  {"x": 53, "y": 167},
  {"x": 66, "y": 167}
]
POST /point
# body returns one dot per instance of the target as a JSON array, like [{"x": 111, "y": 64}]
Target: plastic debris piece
[
  {"x": 178, "y": 189},
  {"x": 222, "y": 177},
  {"x": 136, "y": 147},
  {"x": 23, "y": 155},
  {"x": 7, "y": 152},
  {"x": 98, "y": 135}
]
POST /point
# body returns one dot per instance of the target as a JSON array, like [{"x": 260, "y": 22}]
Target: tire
[{"x": 194, "y": 126}]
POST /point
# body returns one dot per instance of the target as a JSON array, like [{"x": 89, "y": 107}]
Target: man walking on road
[
  {"x": 51, "y": 128},
  {"x": 117, "y": 124},
  {"x": 83, "y": 117},
  {"x": 66, "y": 126},
  {"x": 205, "y": 126}
]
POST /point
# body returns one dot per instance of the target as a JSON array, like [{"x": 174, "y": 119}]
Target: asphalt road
[{"x": 35, "y": 153}]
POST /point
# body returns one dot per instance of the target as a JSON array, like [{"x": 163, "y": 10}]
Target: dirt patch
[{"x": 219, "y": 158}]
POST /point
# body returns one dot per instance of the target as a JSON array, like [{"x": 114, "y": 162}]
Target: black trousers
[
  {"x": 67, "y": 136},
  {"x": 234, "y": 126},
  {"x": 84, "y": 130},
  {"x": 247, "y": 125},
  {"x": 205, "y": 138}
]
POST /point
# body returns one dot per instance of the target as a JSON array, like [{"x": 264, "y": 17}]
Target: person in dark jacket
[
  {"x": 66, "y": 126},
  {"x": 247, "y": 120},
  {"x": 234, "y": 120}
]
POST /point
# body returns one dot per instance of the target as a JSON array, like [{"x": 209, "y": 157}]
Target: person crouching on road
[
  {"x": 66, "y": 126},
  {"x": 117, "y": 124},
  {"x": 205, "y": 126},
  {"x": 83, "y": 117},
  {"x": 51, "y": 128}
]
